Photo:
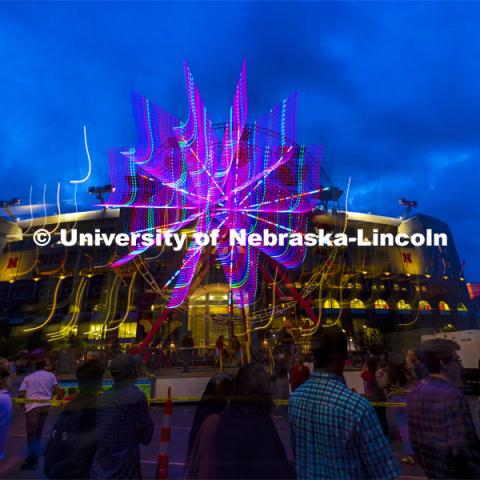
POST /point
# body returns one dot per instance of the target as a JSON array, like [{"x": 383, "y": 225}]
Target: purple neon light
[{"x": 180, "y": 174}]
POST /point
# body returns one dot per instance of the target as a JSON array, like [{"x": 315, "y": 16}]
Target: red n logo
[
  {"x": 407, "y": 257},
  {"x": 12, "y": 262}
]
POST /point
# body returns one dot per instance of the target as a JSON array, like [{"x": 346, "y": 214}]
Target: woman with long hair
[
  {"x": 242, "y": 442},
  {"x": 214, "y": 400}
]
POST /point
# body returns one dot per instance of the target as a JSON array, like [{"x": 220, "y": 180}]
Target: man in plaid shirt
[
  {"x": 335, "y": 432},
  {"x": 123, "y": 423},
  {"x": 441, "y": 426}
]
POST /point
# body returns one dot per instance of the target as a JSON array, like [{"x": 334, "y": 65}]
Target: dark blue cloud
[{"x": 390, "y": 90}]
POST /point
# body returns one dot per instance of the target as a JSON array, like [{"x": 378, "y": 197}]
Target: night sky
[{"x": 391, "y": 90}]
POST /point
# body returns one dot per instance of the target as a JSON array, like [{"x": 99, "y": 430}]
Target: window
[
  {"x": 356, "y": 303},
  {"x": 424, "y": 305},
  {"x": 331, "y": 303},
  {"x": 127, "y": 330},
  {"x": 403, "y": 305},
  {"x": 381, "y": 304},
  {"x": 443, "y": 306},
  {"x": 96, "y": 331},
  {"x": 22, "y": 294}
]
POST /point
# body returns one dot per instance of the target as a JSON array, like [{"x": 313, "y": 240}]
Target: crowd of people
[
  {"x": 334, "y": 431},
  {"x": 95, "y": 436}
]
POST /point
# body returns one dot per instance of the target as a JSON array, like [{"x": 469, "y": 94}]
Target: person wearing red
[
  {"x": 299, "y": 373},
  {"x": 373, "y": 392}
]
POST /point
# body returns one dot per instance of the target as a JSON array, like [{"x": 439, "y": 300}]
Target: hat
[{"x": 123, "y": 366}]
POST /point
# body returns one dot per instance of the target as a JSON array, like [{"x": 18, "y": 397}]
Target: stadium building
[{"x": 382, "y": 295}]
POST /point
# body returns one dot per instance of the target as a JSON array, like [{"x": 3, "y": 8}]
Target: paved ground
[{"x": 181, "y": 422}]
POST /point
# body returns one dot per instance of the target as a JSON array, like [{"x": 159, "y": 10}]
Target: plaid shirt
[
  {"x": 336, "y": 433},
  {"x": 123, "y": 422},
  {"x": 442, "y": 431}
]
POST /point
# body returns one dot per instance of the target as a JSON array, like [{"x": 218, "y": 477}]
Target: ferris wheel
[{"x": 180, "y": 176}]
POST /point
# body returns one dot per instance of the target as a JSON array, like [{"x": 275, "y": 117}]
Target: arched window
[
  {"x": 424, "y": 305},
  {"x": 403, "y": 305},
  {"x": 443, "y": 306},
  {"x": 381, "y": 304},
  {"x": 331, "y": 303},
  {"x": 356, "y": 304},
  {"x": 461, "y": 307}
]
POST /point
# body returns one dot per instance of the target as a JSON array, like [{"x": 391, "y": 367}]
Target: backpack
[{"x": 67, "y": 448}]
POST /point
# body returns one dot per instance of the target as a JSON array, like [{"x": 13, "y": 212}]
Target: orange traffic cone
[{"x": 162, "y": 459}]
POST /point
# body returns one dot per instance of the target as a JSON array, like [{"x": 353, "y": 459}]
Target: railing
[{"x": 154, "y": 362}]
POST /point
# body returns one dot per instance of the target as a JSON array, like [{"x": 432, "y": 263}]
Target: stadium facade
[{"x": 396, "y": 293}]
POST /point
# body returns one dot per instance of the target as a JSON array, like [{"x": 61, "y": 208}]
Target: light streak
[
  {"x": 52, "y": 310},
  {"x": 129, "y": 306},
  {"x": 180, "y": 173},
  {"x": 87, "y": 176}
]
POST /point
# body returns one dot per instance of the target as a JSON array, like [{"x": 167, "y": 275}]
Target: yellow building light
[{"x": 127, "y": 330}]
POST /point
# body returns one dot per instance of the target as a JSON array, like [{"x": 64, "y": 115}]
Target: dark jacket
[
  {"x": 123, "y": 423},
  {"x": 248, "y": 447},
  {"x": 72, "y": 443}
]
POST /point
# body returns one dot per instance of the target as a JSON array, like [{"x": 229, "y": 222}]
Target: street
[{"x": 180, "y": 424}]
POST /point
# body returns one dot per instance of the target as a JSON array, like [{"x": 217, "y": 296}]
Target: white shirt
[{"x": 38, "y": 386}]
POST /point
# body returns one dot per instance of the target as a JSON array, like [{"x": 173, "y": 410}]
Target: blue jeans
[
  {"x": 35, "y": 421},
  {"x": 401, "y": 419}
]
